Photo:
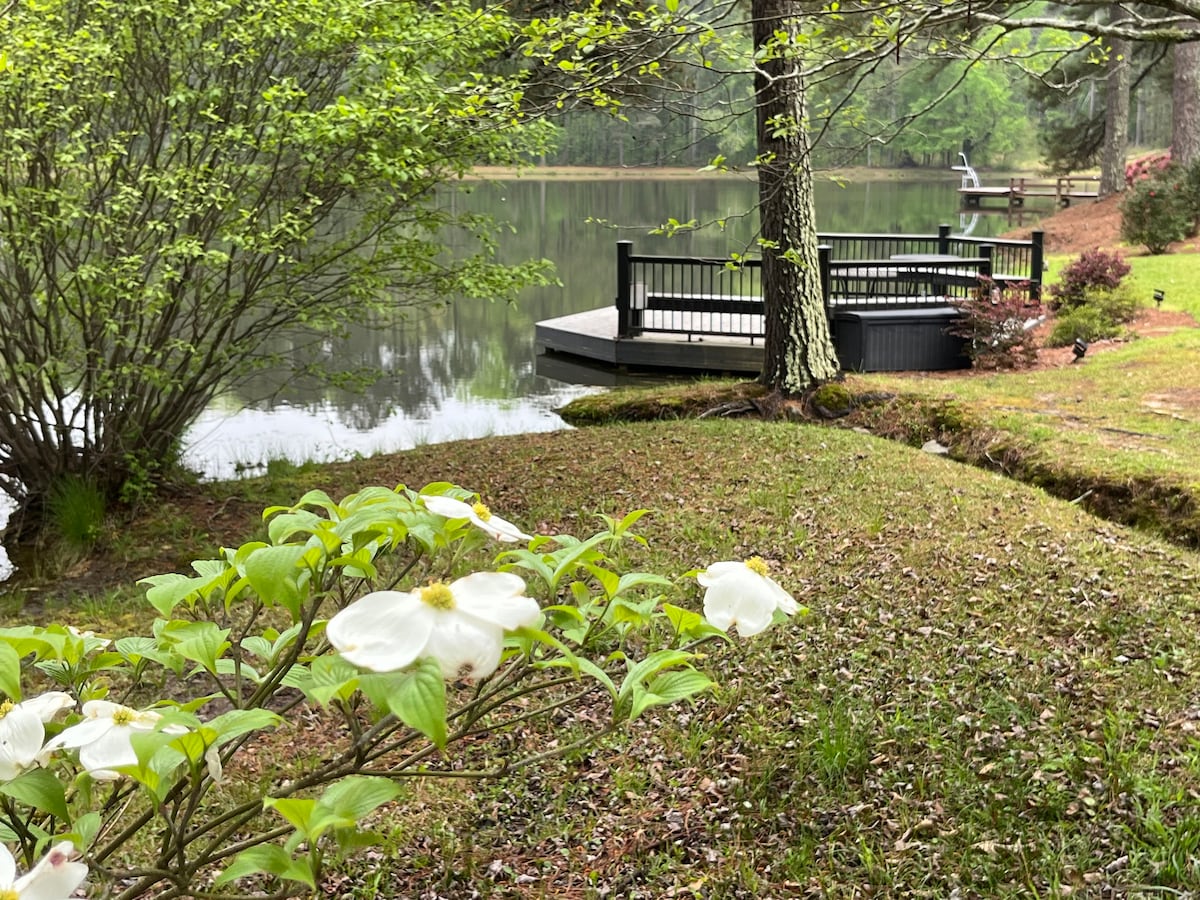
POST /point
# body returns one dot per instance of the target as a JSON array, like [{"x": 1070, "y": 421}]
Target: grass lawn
[{"x": 995, "y": 693}]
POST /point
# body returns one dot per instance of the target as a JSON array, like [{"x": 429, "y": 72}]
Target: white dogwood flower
[
  {"x": 22, "y": 730},
  {"x": 478, "y": 515},
  {"x": 55, "y": 877},
  {"x": 461, "y": 625},
  {"x": 742, "y": 594},
  {"x": 103, "y": 737}
]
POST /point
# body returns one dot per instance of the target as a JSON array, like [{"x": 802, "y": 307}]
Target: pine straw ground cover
[{"x": 995, "y": 694}]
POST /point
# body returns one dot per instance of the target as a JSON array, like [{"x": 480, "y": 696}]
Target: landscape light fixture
[
  {"x": 1159, "y": 296},
  {"x": 1079, "y": 348}
]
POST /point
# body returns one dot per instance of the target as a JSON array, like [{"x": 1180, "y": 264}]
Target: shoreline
[{"x": 663, "y": 173}]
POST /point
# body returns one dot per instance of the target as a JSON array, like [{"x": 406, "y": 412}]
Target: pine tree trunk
[
  {"x": 1116, "y": 119},
  {"x": 1185, "y": 95},
  {"x": 799, "y": 352}
]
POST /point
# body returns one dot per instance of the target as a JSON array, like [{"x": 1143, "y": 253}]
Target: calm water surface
[{"x": 470, "y": 370}]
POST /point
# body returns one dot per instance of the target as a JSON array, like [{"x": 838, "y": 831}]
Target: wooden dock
[
  {"x": 1063, "y": 191},
  {"x": 887, "y": 297},
  {"x": 592, "y": 334}
]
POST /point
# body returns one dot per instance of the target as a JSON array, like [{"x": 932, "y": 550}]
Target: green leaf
[
  {"x": 27, "y": 639},
  {"x": 194, "y": 744},
  {"x": 631, "y": 580},
  {"x": 691, "y": 624},
  {"x": 84, "y": 830},
  {"x": 275, "y": 575},
  {"x": 329, "y": 677},
  {"x": 346, "y": 802},
  {"x": 607, "y": 579},
  {"x": 681, "y": 684},
  {"x": 420, "y": 700},
  {"x": 241, "y": 721},
  {"x": 201, "y": 642},
  {"x": 529, "y": 561},
  {"x": 257, "y": 646},
  {"x": 39, "y": 789},
  {"x": 358, "y": 795},
  {"x": 168, "y": 591},
  {"x": 652, "y": 664},
  {"x": 135, "y": 649},
  {"x": 268, "y": 860},
  {"x": 284, "y": 526},
  {"x": 297, "y": 810},
  {"x": 10, "y": 672},
  {"x": 584, "y": 665}
]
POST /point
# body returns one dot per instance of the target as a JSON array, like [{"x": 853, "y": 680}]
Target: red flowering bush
[
  {"x": 1148, "y": 166},
  {"x": 1093, "y": 270},
  {"x": 1157, "y": 211}
]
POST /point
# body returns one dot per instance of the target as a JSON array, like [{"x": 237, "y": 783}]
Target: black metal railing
[
  {"x": 926, "y": 280},
  {"x": 707, "y": 296},
  {"x": 687, "y": 295}
]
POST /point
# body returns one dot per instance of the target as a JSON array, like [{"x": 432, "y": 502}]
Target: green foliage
[
  {"x": 1103, "y": 315},
  {"x": 76, "y": 510},
  {"x": 253, "y": 631},
  {"x": 181, "y": 189},
  {"x": 1157, "y": 211},
  {"x": 1190, "y": 178}
]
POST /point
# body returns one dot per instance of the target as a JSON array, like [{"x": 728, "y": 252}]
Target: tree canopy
[{"x": 182, "y": 183}]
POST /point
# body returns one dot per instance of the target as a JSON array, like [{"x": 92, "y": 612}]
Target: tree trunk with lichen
[
  {"x": 1116, "y": 119},
  {"x": 799, "y": 351},
  {"x": 1185, "y": 95}
]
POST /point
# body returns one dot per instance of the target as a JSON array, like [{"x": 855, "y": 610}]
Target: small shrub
[
  {"x": 1093, "y": 270},
  {"x": 1101, "y": 316},
  {"x": 1156, "y": 211},
  {"x": 993, "y": 322},
  {"x": 1117, "y": 306},
  {"x": 77, "y": 509},
  {"x": 1087, "y": 323}
]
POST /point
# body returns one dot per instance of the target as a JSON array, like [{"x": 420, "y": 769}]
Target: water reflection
[{"x": 468, "y": 369}]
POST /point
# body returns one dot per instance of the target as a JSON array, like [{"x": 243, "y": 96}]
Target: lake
[{"x": 470, "y": 369}]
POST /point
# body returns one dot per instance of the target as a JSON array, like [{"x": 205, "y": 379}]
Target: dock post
[
  {"x": 624, "y": 285},
  {"x": 943, "y": 239},
  {"x": 985, "y": 267},
  {"x": 824, "y": 253},
  {"x": 1037, "y": 265}
]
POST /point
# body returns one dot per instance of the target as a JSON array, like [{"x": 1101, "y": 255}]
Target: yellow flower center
[
  {"x": 482, "y": 511},
  {"x": 438, "y": 596},
  {"x": 9, "y": 894},
  {"x": 5, "y": 708},
  {"x": 758, "y": 565},
  {"x": 123, "y": 717}
]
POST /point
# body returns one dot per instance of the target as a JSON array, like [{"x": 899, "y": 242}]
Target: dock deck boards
[{"x": 593, "y": 334}]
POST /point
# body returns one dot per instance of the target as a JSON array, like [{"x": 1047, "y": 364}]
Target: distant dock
[{"x": 1064, "y": 191}]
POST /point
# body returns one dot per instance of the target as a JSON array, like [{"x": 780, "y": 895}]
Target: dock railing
[
  {"x": 698, "y": 296},
  {"x": 1063, "y": 190},
  {"x": 687, "y": 295}
]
